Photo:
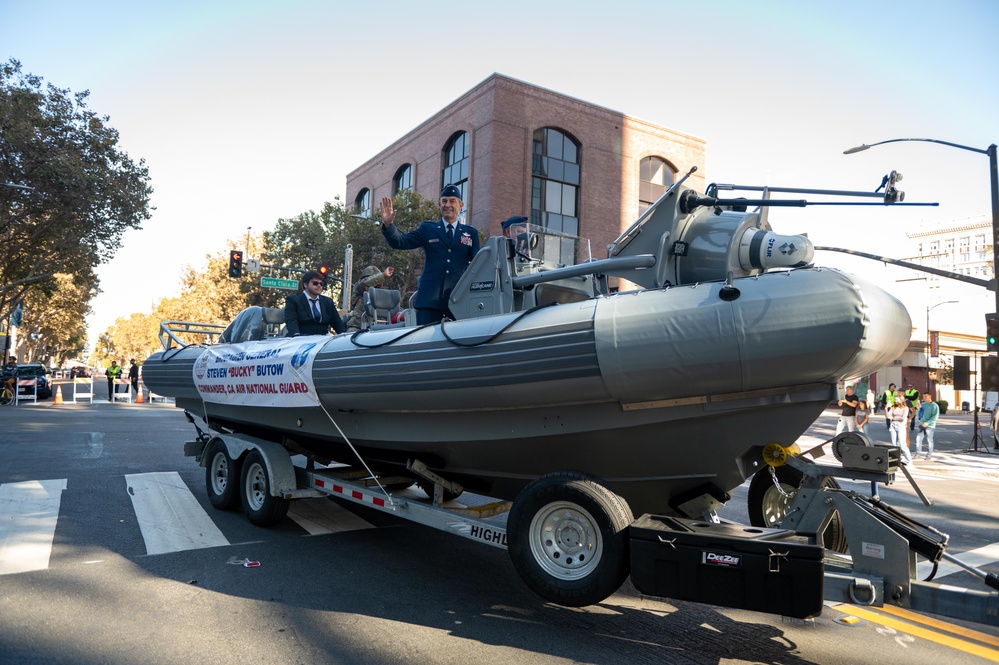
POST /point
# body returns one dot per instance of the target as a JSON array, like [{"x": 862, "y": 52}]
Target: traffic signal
[
  {"x": 992, "y": 331},
  {"x": 324, "y": 270},
  {"x": 235, "y": 263}
]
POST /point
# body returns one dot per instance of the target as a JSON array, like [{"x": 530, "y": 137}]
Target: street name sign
[{"x": 275, "y": 283}]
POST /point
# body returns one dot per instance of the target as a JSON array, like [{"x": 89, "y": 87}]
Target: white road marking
[
  {"x": 319, "y": 516},
  {"x": 28, "y": 514},
  {"x": 170, "y": 518},
  {"x": 978, "y": 558}
]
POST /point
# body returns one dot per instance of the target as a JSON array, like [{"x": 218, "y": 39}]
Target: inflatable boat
[{"x": 730, "y": 340}]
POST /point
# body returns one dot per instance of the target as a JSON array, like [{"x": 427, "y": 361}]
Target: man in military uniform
[
  {"x": 448, "y": 247},
  {"x": 370, "y": 276}
]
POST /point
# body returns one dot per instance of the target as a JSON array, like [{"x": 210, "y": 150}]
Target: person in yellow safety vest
[
  {"x": 113, "y": 372},
  {"x": 889, "y": 400},
  {"x": 912, "y": 397}
]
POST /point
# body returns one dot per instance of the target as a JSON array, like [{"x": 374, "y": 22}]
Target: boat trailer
[{"x": 783, "y": 570}]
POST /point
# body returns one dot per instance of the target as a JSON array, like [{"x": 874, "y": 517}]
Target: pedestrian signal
[
  {"x": 992, "y": 331},
  {"x": 235, "y": 263}
]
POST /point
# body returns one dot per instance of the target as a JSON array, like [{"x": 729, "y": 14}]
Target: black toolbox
[{"x": 766, "y": 570}]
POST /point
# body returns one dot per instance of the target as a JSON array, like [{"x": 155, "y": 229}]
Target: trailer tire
[
  {"x": 260, "y": 507},
  {"x": 767, "y": 506},
  {"x": 222, "y": 477},
  {"x": 568, "y": 538}
]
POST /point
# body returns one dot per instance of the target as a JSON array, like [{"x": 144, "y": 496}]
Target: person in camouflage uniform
[{"x": 370, "y": 276}]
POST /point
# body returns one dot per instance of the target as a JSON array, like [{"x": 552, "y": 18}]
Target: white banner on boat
[{"x": 274, "y": 372}]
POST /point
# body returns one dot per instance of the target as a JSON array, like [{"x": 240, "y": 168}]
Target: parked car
[{"x": 35, "y": 371}]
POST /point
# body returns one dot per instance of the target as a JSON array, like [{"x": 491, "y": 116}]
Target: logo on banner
[{"x": 302, "y": 355}]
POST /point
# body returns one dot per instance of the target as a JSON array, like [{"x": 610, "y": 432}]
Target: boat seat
[{"x": 380, "y": 305}]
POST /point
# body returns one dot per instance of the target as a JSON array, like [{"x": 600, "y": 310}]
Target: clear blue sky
[{"x": 249, "y": 111}]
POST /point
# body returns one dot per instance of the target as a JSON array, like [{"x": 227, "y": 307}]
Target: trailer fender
[{"x": 280, "y": 470}]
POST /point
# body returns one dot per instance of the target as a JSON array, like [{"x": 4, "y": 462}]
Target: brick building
[{"x": 517, "y": 149}]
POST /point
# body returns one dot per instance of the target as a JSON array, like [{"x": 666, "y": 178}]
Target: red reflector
[
  {"x": 378, "y": 502},
  {"x": 357, "y": 495},
  {"x": 337, "y": 488},
  {"x": 320, "y": 483}
]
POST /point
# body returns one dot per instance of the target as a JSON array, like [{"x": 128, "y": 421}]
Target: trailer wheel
[
  {"x": 260, "y": 507},
  {"x": 222, "y": 477},
  {"x": 568, "y": 538},
  {"x": 768, "y": 505}
]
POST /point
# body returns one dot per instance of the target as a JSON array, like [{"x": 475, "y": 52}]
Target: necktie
[
  {"x": 315, "y": 309},
  {"x": 450, "y": 234}
]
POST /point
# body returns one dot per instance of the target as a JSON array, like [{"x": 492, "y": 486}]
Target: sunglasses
[{"x": 315, "y": 283}]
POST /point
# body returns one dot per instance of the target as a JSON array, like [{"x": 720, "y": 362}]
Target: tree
[
  {"x": 54, "y": 327},
  {"x": 313, "y": 238},
  {"x": 75, "y": 193}
]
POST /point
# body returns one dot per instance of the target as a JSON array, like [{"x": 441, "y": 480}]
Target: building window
[
  {"x": 555, "y": 181},
  {"x": 455, "y": 170},
  {"x": 655, "y": 176},
  {"x": 363, "y": 202},
  {"x": 403, "y": 179}
]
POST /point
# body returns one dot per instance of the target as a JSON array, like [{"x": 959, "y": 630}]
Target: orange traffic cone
[
  {"x": 58, "y": 397},
  {"x": 139, "y": 399}
]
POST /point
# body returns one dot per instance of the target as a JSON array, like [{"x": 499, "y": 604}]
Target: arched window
[
  {"x": 455, "y": 171},
  {"x": 555, "y": 182},
  {"x": 363, "y": 202},
  {"x": 655, "y": 177},
  {"x": 403, "y": 179}
]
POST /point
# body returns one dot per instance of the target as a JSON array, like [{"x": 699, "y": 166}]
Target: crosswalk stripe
[
  {"x": 28, "y": 514},
  {"x": 170, "y": 518},
  {"x": 978, "y": 558},
  {"x": 319, "y": 516}
]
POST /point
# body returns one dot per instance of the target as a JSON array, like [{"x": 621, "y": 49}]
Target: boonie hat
[{"x": 369, "y": 271}]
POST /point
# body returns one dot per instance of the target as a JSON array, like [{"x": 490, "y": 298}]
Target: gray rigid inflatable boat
[{"x": 732, "y": 340}]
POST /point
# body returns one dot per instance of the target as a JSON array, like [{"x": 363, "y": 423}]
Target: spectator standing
[
  {"x": 898, "y": 415},
  {"x": 848, "y": 416},
  {"x": 133, "y": 376},
  {"x": 888, "y": 399},
  {"x": 448, "y": 248},
  {"x": 861, "y": 418},
  {"x": 927, "y": 426}
]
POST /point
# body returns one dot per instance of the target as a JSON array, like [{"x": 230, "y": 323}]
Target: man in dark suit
[
  {"x": 309, "y": 312},
  {"x": 448, "y": 248}
]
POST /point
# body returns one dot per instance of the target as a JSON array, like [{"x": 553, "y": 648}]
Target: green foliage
[
  {"x": 943, "y": 404},
  {"x": 84, "y": 191},
  {"x": 53, "y": 327},
  {"x": 311, "y": 239}
]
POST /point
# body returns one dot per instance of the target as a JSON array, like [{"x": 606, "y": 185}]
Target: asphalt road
[{"x": 338, "y": 583}]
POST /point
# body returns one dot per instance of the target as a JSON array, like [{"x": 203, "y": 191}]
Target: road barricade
[
  {"x": 32, "y": 396},
  {"x": 83, "y": 389},
  {"x": 152, "y": 396},
  {"x": 126, "y": 395}
]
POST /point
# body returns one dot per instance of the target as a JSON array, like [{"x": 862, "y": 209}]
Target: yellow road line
[
  {"x": 941, "y": 625},
  {"x": 925, "y": 633}
]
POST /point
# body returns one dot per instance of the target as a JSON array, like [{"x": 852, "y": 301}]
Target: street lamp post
[
  {"x": 994, "y": 172},
  {"x": 928, "y": 310}
]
